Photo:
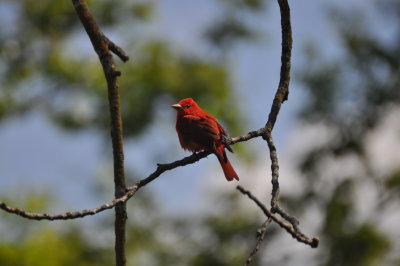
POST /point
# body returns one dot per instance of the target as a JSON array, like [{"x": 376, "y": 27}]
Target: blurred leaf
[
  {"x": 142, "y": 10},
  {"x": 228, "y": 31},
  {"x": 253, "y": 5},
  {"x": 339, "y": 208},
  {"x": 49, "y": 17},
  {"x": 363, "y": 247},
  {"x": 48, "y": 248},
  {"x": 393, "y": 182}
]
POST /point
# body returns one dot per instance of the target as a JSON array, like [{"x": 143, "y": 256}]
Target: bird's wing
[{"x": 201, "y": 125}]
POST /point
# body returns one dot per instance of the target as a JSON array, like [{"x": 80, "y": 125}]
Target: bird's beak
[{"x": 176, "y": 106}]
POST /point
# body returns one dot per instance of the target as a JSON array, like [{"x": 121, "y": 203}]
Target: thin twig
[
  {"x": 116, "y": 49},
  {"x": 260, "y": 237},
  {"x": 102, "y": 45},
  {"x": 297, "y": 234},
  {"x": 247, "y": 136}
]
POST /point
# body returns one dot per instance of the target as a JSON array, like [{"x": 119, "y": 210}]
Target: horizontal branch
[
  {"x": 248, "y": 136},
  {"x": 129, "y": 193},
  {"x": 297, "y": 234},
  {"x": 161, "y": 168},
  {"x": 66, "y": 215}
]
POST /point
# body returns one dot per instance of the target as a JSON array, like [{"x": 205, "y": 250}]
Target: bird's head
[{"x": 186, "y": 106}]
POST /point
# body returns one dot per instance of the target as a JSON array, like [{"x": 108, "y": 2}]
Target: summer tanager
[{"x": 199, "y": 131}]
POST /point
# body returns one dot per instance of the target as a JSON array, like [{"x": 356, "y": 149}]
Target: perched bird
[{"x": 199, "y": 131}]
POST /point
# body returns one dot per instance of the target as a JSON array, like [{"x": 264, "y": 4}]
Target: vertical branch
[
  {"x": 286, "y": 54},
  {"x": 274, "y": 170},
  {"x": 101, "y": 46},
  {"x": 280, "y": 96},
  {"x": 275, "y": 208}
]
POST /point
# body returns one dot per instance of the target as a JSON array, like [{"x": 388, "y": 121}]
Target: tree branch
[
  {"x": 260, "y": 237},
  {"x": 102, "y": 45},
  {"x": 297, "y": 234},
  {"x": 130, "y": 191},
  {"x": 66, "y": 215},
  {"x": 283, "y": 88},
  {"x": 115, "y": 49},
  {"x": 281, "y": 95},
  {"x": 275, "y": 208}
]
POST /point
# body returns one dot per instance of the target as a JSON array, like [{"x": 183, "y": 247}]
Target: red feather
[{"x": 199, "y": 131}]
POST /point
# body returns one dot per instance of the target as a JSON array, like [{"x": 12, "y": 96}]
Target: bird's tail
[{"x": 229, "y": 172}]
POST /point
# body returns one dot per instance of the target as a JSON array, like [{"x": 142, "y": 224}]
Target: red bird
[{"x": 199, "y": 131}]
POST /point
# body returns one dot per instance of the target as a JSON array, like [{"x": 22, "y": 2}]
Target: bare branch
[
  {"x": 248, "y": 136},
  {"x": 102, "y": 46},
  {"x": 116, "y": 49},
  {"x": 283, "y": 87},
  {"x": 260, "y": 237},
  {"x": 281, "y": 95},
  {"x": 130, "y": 191},
  {"x": 287, "y": 226},
  {"x": 63, "y": 216},
  {"x": 275, "y": 208}
]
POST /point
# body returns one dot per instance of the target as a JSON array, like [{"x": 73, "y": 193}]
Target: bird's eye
[{"x": 186, "y": 106}]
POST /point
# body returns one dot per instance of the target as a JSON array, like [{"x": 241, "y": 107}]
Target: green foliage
[
  {"x": 351, "y": 244},
  {"x": 362, "y": 247},
  {"x": 49, "y": 247},
  {"x": 28, "y": 243},
  {"x": 393, "y": 181},
  {"x": 62, "y": 17},
  {"x": 339, "y": 208}
]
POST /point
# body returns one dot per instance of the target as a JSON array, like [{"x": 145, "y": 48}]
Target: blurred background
[{"x": 337, "y": 136}]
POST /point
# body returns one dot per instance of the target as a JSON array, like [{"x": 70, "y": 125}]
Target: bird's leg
[{"x": 225, "y": 140}]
